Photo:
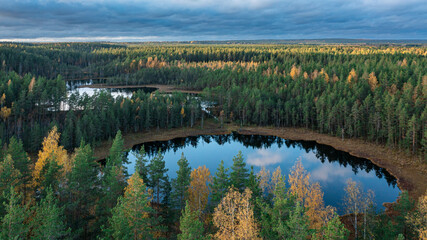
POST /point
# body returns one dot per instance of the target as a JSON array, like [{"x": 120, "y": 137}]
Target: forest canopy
[{"x": 375, "y": 93}]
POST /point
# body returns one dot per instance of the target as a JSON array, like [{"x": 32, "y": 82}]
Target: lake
[
  {"x": 77, "y": 86},
  {"x": 328, "y": 166}
]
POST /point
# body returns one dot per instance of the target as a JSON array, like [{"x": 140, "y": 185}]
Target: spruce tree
[
  {"x": 220, "y": 184},
  {"x": 141, "y": 164},
  {"x": 132, "y": 217},
  {"x": 117, "y": 155},
  {"x": 13, "y": 223},
  {"x": 190, "y": 225},
  {"x": 9, "y": 177},
  {"x": 239, "y": 173},
  {"x": 158, "y": 179},
  {"x": 81, "y": 192},
  {"x": 113, "y": 180},
  {"x": 334, "y": 230},
  {"x": 48, "y": 221},
  {"x": 180, "y": 184},
  {"x": 20, "y": 158},
  {"x": 297, "y": 227}
]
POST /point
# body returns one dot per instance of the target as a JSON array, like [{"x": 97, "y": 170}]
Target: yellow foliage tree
[
  {"x": 335, "y": 78},
  {"x": 418, "y": 219},
  {"x": 299, "y": 181},
  {"x": 310, "y": 195},
  {"x": 31, "y": 85},
  {"x": 264, "y": 179},
  {"x": 353, "y": 201},
  {"x": 324, "y": 74},
  {"x": 5, "y": 112},
  {"x": 51, "y": 151},
  {"x": 295, "y": 72},
  {"x": 372, "y": 80},
  {"x": 352, "y": 76},
  {"x": 275, "y": 179},
  {"x": 133, "y": 191},
  {"x": 404, "y": 63},
  {"x": 305, "y": 75},
  {"x": 234, "y": 217},
  {"x": 199, "y": 189}
]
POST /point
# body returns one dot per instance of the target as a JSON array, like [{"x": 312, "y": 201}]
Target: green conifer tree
[{"x": 190, "y": 225}]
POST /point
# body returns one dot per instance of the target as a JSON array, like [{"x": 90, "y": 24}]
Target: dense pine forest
[{"x": 52, "y": 187}]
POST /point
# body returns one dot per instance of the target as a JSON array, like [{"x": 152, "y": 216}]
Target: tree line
[{"x": 377, "y": 93}]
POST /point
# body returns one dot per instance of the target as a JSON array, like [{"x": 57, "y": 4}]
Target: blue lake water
[{"x": 330, "y": 167}]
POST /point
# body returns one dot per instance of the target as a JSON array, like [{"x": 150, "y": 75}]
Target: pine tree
[
  {"x": 181, "y": 183},
  {"x": 13, "y": 223},
  {"x": 132, "y": 216},
  {"x": 190, "y": 225},
  {"x": 48, "y": 221},
  {"x": 239, "y": 173}
]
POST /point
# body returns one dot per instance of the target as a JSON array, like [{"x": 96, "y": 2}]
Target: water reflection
[
  {"x": 264, "y": 157},
  {"x": 312, "y": 152},
  {"x": 328, "y": 166},
  {"x": 77, "y": 86}
]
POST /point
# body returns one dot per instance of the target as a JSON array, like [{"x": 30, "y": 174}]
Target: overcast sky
[{"x": 174, "y": 20}]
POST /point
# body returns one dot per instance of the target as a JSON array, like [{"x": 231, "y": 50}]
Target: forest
[{"x": 52, "y": 187}]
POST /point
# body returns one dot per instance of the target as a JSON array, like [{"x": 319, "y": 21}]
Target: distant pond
[
  {"x": 328, "y": 166},
  {"x": 78, "y": 86}
]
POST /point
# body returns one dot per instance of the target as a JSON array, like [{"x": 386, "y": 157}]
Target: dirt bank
[
  {"x": 410, "y": 172},
  {"x": 161, "y": 88}
]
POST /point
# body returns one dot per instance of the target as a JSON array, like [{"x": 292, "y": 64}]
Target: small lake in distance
[
  {"x": 328, "y": 166},
  {"x": 77, "y": 86}
]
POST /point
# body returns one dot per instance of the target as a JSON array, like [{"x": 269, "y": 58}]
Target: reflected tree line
[{"x": 324, "y": 153}]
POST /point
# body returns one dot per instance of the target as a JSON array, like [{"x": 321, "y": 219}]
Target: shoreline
[
  {"x": 160, "y": 87},
  {"x": 409, "y": 171}
]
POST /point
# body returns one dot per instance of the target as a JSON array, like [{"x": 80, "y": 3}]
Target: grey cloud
[{"x": 208, "y": 19}]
